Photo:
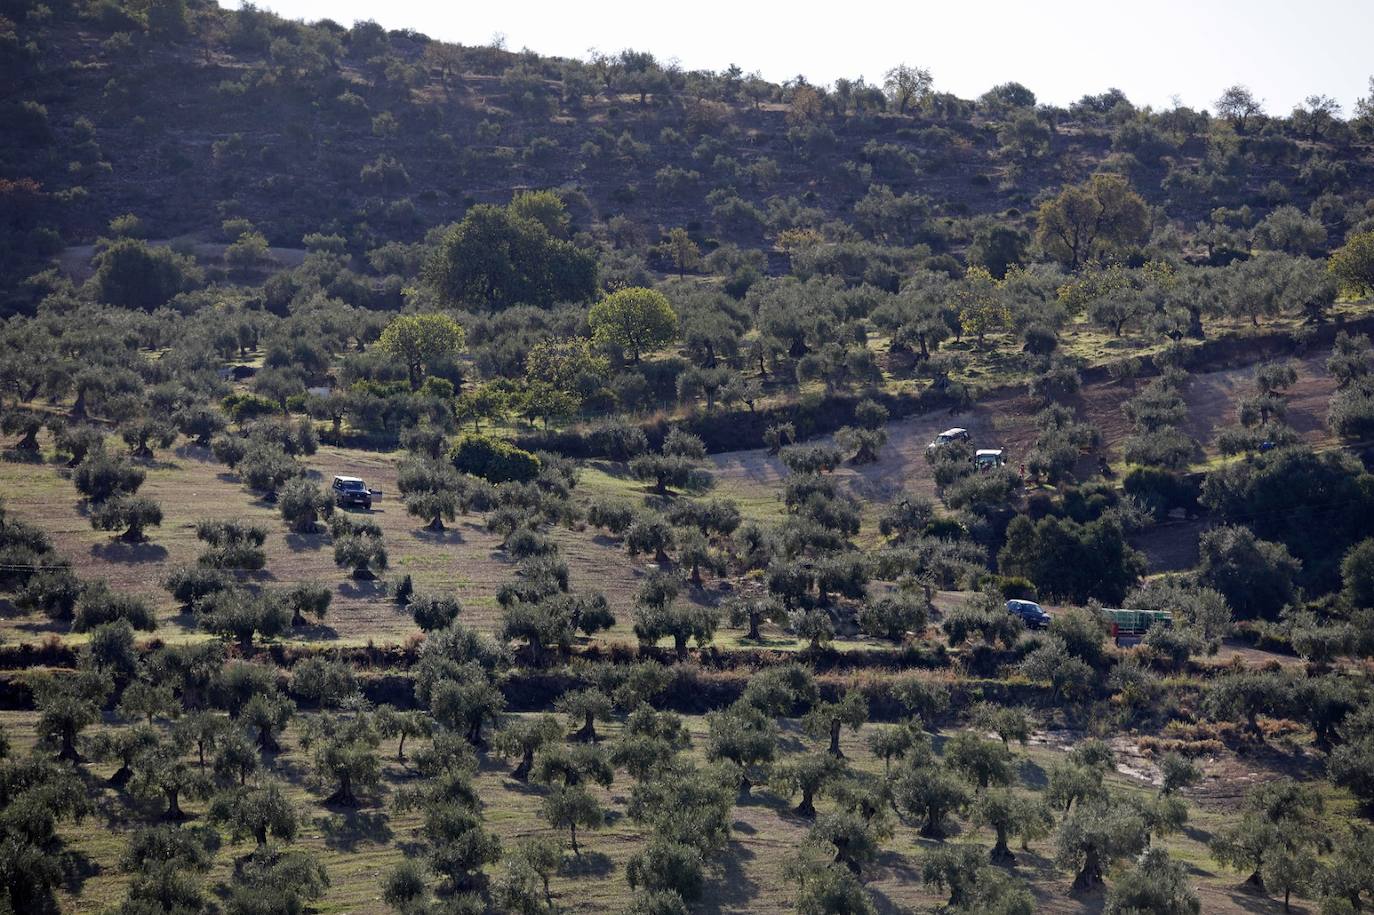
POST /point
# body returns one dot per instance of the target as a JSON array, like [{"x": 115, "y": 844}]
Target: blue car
[{"x": 1030, "y": 613}]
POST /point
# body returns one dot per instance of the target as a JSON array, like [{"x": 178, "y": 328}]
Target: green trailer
[{"x": 1131, "y": 625}]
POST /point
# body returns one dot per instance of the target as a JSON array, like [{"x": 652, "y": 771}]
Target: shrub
[
  {"x": 892, "y": 617},
  {"x": 101, "y": 476},
  {"x": 1160, "y": 491},
  {"x": 615, "y": 516},
  {"x": 308, "y": 597},
  {"x": 190, "y": 584},
  {"x": 494, "y": 460},
  {"x": 302, "y": 505},
  {"x": 53, "y": 592},
  {"x": 99, "y": 605},
  {"x": 434, "y": 612}
]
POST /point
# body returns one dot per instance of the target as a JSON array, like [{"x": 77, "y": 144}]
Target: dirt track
[{"x": 1007, "y": 422}]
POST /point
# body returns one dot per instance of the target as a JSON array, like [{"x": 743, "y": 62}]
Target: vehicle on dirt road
[
  {"x": 352, "y": 492},
  {"x": 1030, "y": 613},
  {"x": 988, "y": 458},
  {"x": 1129, "y": 626},
  {"x": 949, "y": 435}
]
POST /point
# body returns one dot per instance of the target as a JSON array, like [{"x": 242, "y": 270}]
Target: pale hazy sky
[{"x": 1061, "y": 49}]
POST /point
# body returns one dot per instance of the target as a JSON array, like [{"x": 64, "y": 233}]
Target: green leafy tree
[
  {"x": 103, "y": 476},
  {"x": 302, "y": 505},
  {"x": 524, "y": 738},
  {"x": 360, "y": 552},
  {"x": 1085, "y": 222},
  {"x": 983, "y": 762},
  {"x": 929, "y": 793},
  {"x": 954, "y": 868},
  {"x": 752, "y": 613},
  {"x": 308, "y": 598},
  {"x": 130, "y": 273},
  {"x": 570, "y": 807},
  {"x": 1352, "y": 264},
  {"x": 267, "y": 713},
  {"x": 343, "y": 755},
  {"x": 498, "y": 257},
  {"x": 1282, "y": 818},
  {"x": 585, "y": 707},
  {"x": 635, "y": 319},
  {"x": 36, "y": 795},
  {"x": 433, "y": 611},
  {"x": 826, "y": 719},
  {"x": 1157, "y": 885},
  {"x": 240, "y": 614},
  {"x": 1094, "y": 835},
  {"x": 261, "y": 811},
  {"x": 276, "y": 879},
  {"x": 418, "y": 341},
  {"x": 746, "y": 738},
  {"x": 907, "y": 86},
  {"x": 1007, "y": 813},
  {"x": 163, "y": 770},
  {"x": 807, "y": 774},
  {"x": 123, "y": 745},
  {"x": 67, "y": 705}
]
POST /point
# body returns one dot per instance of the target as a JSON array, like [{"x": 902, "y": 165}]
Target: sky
[{"x": 1157, "y": 53}]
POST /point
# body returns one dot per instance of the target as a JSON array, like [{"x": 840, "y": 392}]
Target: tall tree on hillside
[
  {"x": 907, "y": 86},
  {"x": 635, "y": 319},
  {"x": 1084, "y": 222},
  {"x": 497, "y": 258},
  {"x": 418, "y": 341}
]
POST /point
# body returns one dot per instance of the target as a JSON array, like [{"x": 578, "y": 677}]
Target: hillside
[
  {"x": 379, "y": 137},
  {"x": 442, "y": 480}
]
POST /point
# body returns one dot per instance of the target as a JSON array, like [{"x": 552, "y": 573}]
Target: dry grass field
[
  {"x": 466, "y": 560},
  {"x": 358, "y": 846}
]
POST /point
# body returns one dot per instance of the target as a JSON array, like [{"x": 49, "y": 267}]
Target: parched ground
[
  {"x": 359, "y": 846},
  {"x": 466, "y": 560},
  {"x": 189, "y": 485},
  {"x": 1006, "y": 421}
]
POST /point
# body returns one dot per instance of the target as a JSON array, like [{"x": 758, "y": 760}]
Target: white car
[
  {"x": 986, "y": 458},
  {"x": 949, "y": 435}
]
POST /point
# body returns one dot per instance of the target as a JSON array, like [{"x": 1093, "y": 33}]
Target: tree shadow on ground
[
  {"x": 588, "y": 864},
  {"x": 186, "y": 621},
  {"x": 516, "y": 786},
  {"x": 284, "y": 768},
  {"x": 1032, "y": 774},
  {"x": 447, "y": 537},
  {"x": 760, "y": 798},
  {"x": 363, "y": 589},
  {"x": 766, "y": 642},
  {"x": 315, "y": 632},
  {"x": 1252, "y": 900},
  {"x": 299, "y": 543},
  {"x": 77, "y": 867},
  {"x": 346, "y": 828},
  {"x": 61, "y": 627},
  {"x": 197, "y": 453},
  {"x": 153, "y": 463},
  {"x": 21, "y": 456},
  {"x": 735, "y": 890},
  {"x": 1202, "y": 836},
  {"x": 119, "y": 551}
]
